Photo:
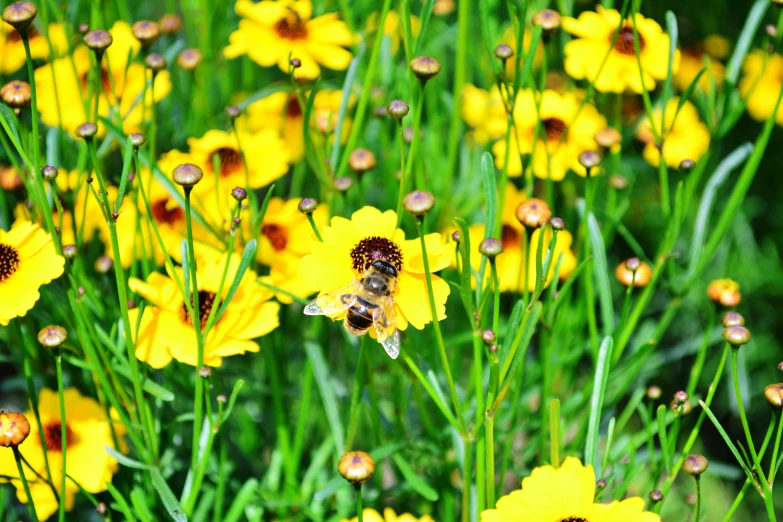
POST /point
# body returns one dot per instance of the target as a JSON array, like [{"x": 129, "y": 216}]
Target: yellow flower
[
  {"x": 89, "y": 432},
  {"x": 511, "y": 263},
  {"x": 510, "y": 38},
  {"x": 393, "y": 28},
  {"x": 351, "y": 245},
  {"x": 595, "y": 32},
  {"x": 760, "y": 84},
  {"x": 559, "y": 113},
  {"x": 485, "y": 112},
  {"x": 28, "y": 260},
  {"x": 692, "y": 62},
  {"x": 12, "y": 54},
  {"x": 370, "y": 515},
  {"x": 166, "y": 330},
  {"x": 265, "y": 153},
  {"x": 725, "y": 292},
  {"x": 688, "y": 138},
  {"x": 561, "y": 494},
  {"x": 122, "y": 86},
  {"x": 281, "y": 111},
  {"x": 271, "y": 32}
]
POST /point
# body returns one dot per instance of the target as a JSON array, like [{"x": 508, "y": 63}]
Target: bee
[{"x": 369, "y": 301}]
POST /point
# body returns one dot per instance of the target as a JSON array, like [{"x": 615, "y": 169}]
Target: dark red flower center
[
  {"x": 53, "y": 436},
  {"x": 277, "y": 235},
  {"x": 294, "y": 109},
  {"x": 624, "y": 43},
  {"x": 9, "y": 261},
  {"x": 374, "y": 248},
  {"x": 510, "y": 237},
  {"x": 291, "y": 27},
  {"x": 229, "y": 159},
  {"x": 163, "y": 214},
  {"x": 14, "y": 35},
  {"x": 206, "y": 300},
  {"x": 88, "y": 81},
  {"x": 554, "y": 128}
]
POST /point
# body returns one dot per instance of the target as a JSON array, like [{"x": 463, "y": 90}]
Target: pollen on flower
[
  {"x": 230, "y": 160},
  {"x": 163, "y": 214},
  {"x": 206, "y": 300},
  {"x": 53, "y": 435},
  {"x": 277, "y": 235},
  {"x": 295, "y": 30},
  {"x": 554, "y": 128},
  {"x": 624, "y": 43},
  {"x": 9, "y": 261},
  {"x": 374, "y": 248},
  {"x": 510, "y": 237},
  {"x": 573, "y": 519}
]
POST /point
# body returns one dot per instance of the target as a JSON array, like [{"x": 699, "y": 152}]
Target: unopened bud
[
  {"x": 308, "y": 205},
  {"x": 424, "y": 67},
  {"x": 736, "y": 335},
  {"x": 14, "y": 428},
  {"x": 732, "y": 319},
  {"x": 238, "y": 193},
  {"x": 146, "y": 32},
  {"x": 488, "y": 336},
  {"x": 20, "y": 15},
  {"x": 504, "y": 52},
  {"x": 187, "y": 175},
  {"x": 70, "y": 252},
  {"x": 356, "y": 467},
  {"x": 49, "y": 173},
  {"x": 774, "y": 395},
  {"x": 397, "y": 109},
  {"x": 695, "y": 465},
  {"x": 491, "y": 248},
  {"x": 418, "y": 202}
]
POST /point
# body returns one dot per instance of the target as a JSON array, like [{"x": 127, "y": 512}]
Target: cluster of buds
[{"x": 681, "y": 404}]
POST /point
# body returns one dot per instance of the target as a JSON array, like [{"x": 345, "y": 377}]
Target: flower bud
[
  {"x": 397, "y": 109},
  {"x": 491, "y": 248},
  {"x": 356, "y": 467},
  {"x": 361, "y": 160},
  {"x": 548, "y": 20},
  {"x": 533, "y": 213},
  {"x": 504, "y": 52},
  {"x": 16, "y": 94},
  {"x": 687, "y": 165},
  {"x": 205, "y": 372},
  {"x": 155, "y": 62},
  {"x": 308, "y": 205},
  {"x": 724, "y": 292},
  {"x": 488, "y": 336},
  {"x": 20, "y": 15},
  {"x": 187, "y": 175},
  {"x": 695, "y": 465},
  {"x": 618, "y": 182},
  {"x": 343, "y": 184},
  {"x": 98, "y": 40},
  {"x": 557, "y": 224},
  {"x": 589, "y": 159},
  {"x": 681, "y": 408},
  {"x": 296, "y": 63},
  {"x": 146, "y": 32},
  {"x": 640, "y": 277},
  {"x": 238, "y": 193},
  {"x": 221, "y": 398},
  {"x": 600, "y": 484},
  {"x": 233, "y": 112},
  {"x": 455, "y": 237},
  {"x": 681, "y": 396},
  {"x": 654, "y": 392},
  {"x": 656, "y": 496},
  {"x": 103, "y": 264},
  {"x": 101, "y": 508},
  {"x": 774, "y": 395},
  {"x": 138, "y": 140},
  {"x": 424, "y": 67},
  {"x": 418, "y": 202},
  {"x": 52, "y": 336},
  {"x": 14, "y": 427},
  {"x": 732, "y": 319},
  {"x": 170, "y": 23},
  {"x": 49, "y": 173},
  {"x": 189, "y": 59},
  {"x": 70, "y": 252},
  {"x": 771, "y": 30},
  {"x": 780, "y": 366},
  {"x": 83, "y": 28},
  {"x": 736, "y": 335},
  {"x": 87, "y": 131},
  {"x": 608, "y": 138}
]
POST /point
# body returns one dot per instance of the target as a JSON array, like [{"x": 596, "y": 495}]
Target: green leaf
[
  {"x": 512, "y": 330},
  {"x": 597, "y": 399},
  {"x": 126, "y": 163},
  {"x": 601, "y": 275},
  {"x": 140, "y": 504},
  {"x": 323, "y": 380},
  {"x": 232, "y": 399},
  {"x": 516, "y": 355},
  {"x": 415, "y": 481},
  {"x": 745, "y": 40},
  {"x": 149, "y": 386},
  {"x": 490, "y": 194},
  {"x": 125, "y": 460},
  {"x": 663, "y": 437},
  {"x": 425, "y": 15},
  {"x": 350, "y": 75},
  {"x": 122, "y": 504},
  {"x": 170, "y": 502},
  {"x": 725, "y": 436},
  {"x": 9, "y": 119},
  {"x": 245, "y": 495},
  {"x": 248, "y": 255},
  {"x": 258, "y": 220}
]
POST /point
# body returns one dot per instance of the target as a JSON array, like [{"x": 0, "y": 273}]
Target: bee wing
[
  {"x": 335, "y": 301},
  {"x": 386, "y": 327}
]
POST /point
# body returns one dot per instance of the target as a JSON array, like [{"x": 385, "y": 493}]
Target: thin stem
[
  {"x": 773, "y": 462},
  {"x": 698, "y": 498},
  {"x": 30, "y": 503},
  {"x": 401, "y": 195},
  {"x": 63, "y": 433},
  {"x": 358, "y": 381},
  {"x": 359, "y": 510},
  {"x": 314, "y": 227},
  {"x": 467, "y": 465}
]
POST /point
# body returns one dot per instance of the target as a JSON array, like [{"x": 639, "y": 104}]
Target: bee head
[{"x": 385, "y": 267}]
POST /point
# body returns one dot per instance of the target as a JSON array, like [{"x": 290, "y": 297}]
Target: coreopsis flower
[
  {"x": 392, "y": 28},
  {"x": 560, "y": 117},
  {"x": 685, "y": 138},
  {"x": 271, "y": 33},
  {"x": 28, "y": 261},
  {"x": 725, "y": 292},
  {"x": 370, "y": 515},
  {"x": 694, "y": 59},
  {"x": 594, "y": 32},
  {"x": 166, "y": 329},
  {"x": 265, "y": 153},
  {"x": 89, "y": 432},
  {"x": 762, "y": 79},
  {"x": 121, "y": 92},
  {"x": 350, "y": 247},
  {"x": 516, "y": 256},
  {"x": 564, "y": 494},
  {"x": 484, "y": 112},
  {"x": 12, "y": 53},
  {"x": 281, "y": 111}
]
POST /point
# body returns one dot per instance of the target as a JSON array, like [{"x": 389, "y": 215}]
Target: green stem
[
  {"x": 359, "y": 510},
  {"x": 467, "y": 473},
  {"x": 773, "y": 462},
  {"x": 63, "y": 433},
  {"x": 698, "y": 498},
  {"x": 30, "y": 503},
  {"x": 314, "y": 227},
  {"x": 358, "y": 381},
  {"x": 401, "y": 195}
]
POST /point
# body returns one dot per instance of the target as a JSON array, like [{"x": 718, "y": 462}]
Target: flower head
[
  {"x": 725, "y": 292},
  {"x": 389, "y": 515},
  {"x": 564, "y": 494},
  {"x": 697, "y": 57},
  {"x": 14, "y": 428},
  {"x": 595, "y": 32},
  {"x": 350, "y": 246},
  {"x": 684, "y": 138},
  {"x": 633, "y": 271},
  {"x": 356, "y": 467},
  {"x": 28, "y": 260},
  {"x": 762, "y": 79},
  {"x": 271, "y": 32},
  {"x": 484, "y": 112},
  {"x": 12, "y": 54}
]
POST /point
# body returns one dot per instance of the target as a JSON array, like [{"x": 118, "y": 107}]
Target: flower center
[
  {"x": 163, "y": 214},
  {"x": 554, "y": 128},
  {"x": 9, "y": 261},
  {"x": 624, "y": 43},
  {"x": 374, "y": 248},
  {"x": 573, "y": 519},
  {"x": 509, "y": 236},
  {"x": 86, "y": 81},
  {"x": 53, "y": 435},
  {"x": 14, "y": 35},
  {"x": 206, "y": 300},
  {"x": 277, "y": 235},
  {"x": 294, "y": 109},
  {"x": 229, "y": 158},
  {"x": 293, "y": 29}
]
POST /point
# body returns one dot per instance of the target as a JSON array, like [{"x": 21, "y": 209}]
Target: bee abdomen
[{"x": 357, "y": 324}]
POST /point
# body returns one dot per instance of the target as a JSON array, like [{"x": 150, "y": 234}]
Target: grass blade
[
  {"x": 597, "y": 399},
  {"x": 170, "y": 502},
  {"x": 415, "y": 481},
  {"x": 601, "y": 275},
  {"x": 248, "y": 255},
  {"x": 323, "y": 380},
  {"x": 745, "y": 40}
]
